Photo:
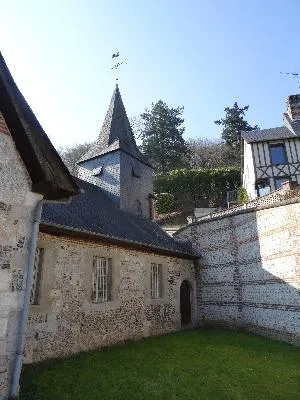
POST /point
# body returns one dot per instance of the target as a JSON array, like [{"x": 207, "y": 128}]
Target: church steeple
[
  {"x": 116, "y": 132},
  {"x": 115, "y": 163}
]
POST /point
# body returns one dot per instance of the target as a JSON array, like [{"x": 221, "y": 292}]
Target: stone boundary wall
[
  {"x": 66, "y": 321},
  {"x": 250, "y": 273},
  {"x": 288, "y": 192}
]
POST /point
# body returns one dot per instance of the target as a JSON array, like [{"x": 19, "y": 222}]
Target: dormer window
[
  {"x": 277, "y": 154},
  {"x": 97, "y": 171}
]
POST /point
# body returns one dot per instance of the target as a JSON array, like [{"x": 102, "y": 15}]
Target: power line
[{"x": 294, "y": 75}]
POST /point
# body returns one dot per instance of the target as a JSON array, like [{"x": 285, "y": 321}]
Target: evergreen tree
[
  {"x": 233, "y": 124},
  {"x": 161, "y": 135}
]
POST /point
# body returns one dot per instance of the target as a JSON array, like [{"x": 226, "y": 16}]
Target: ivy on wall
[{"x": 198, "y": 187}]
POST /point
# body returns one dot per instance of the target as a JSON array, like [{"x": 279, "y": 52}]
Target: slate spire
[{"x": 116, "y": 132}]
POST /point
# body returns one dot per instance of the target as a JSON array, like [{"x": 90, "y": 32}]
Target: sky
[{"x": 203, "y": 55}]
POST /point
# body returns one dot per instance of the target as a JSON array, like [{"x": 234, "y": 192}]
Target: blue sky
[{"x": 203, "y": 55}]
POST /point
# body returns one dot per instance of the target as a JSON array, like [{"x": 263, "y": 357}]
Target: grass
[{"x": 199, "y": 364}]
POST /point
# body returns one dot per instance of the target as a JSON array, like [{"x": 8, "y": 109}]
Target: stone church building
[{"x": 82, "y": 264}]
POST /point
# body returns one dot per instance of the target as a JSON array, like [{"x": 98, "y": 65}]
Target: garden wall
[
  {"x": 66, "y": 321},
  {"x": 250, "y": 273}
]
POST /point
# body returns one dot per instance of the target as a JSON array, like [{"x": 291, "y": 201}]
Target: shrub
[
  {"x": 164, "y": 203},
  {"x": 242, "y": 196}
]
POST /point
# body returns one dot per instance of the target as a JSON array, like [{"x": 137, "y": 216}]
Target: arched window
[
  {"x": 151, "y": 205},
  {"x": 138, "y": 208}
]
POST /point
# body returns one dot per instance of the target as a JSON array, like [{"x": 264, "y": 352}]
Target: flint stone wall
[
  {"x": 66, "y": 321},
  {"x": 16, "y": 208},
  {"x": 250, "y": 274}
]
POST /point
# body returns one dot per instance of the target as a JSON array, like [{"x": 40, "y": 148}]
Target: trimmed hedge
[
  {"x": 199, "y": 187},
  {"x": 164, "y": 203}
]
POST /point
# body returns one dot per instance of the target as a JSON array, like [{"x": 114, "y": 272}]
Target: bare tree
[
  {"x": 137, "y": 125},
  {"x": 206, "y": 153},
  {"x": 71, "y": 154}
]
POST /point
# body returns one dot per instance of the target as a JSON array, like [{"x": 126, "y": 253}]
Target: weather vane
[
  {"x": 117, "y": 65},
  {"x": 294, "y": 75}
]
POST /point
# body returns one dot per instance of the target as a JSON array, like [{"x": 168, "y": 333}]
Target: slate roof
[
  {"x": 262, "y": 135},
  {"x": 290, "y": 129},
  {"x": 48, "y": 173},
  {"x": 116, "y": 133},
  {"x": 92, "y": 214}
]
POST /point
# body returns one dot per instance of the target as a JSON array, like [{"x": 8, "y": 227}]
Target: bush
[
  {"x": 242, "y": 196},
  {"x": 164, "y": 203}
]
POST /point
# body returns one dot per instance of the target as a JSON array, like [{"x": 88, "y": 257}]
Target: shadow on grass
[{"x": 206, "y": 364}]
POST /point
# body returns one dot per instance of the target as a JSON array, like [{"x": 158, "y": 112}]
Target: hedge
[
  {"x": 164, "y": 203},
  {"x": 200, "y": 187}
]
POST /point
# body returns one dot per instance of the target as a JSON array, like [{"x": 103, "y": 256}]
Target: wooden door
[{"x": 185, "y": 303}]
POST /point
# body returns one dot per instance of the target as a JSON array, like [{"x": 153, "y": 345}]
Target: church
[
  {"x": 104, "y": 271},
  {"x": 83, "y": 264}
]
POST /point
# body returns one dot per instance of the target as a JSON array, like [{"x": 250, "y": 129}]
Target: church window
[
  {"x": 156, "y": 281},
  {"x": 101, "y": 279},
  {"x": 151, "y": 206},
  {"x": 138, "y": 208},
  {"x": 136, "y": 172},
  {"x": 36, "y": 277}
]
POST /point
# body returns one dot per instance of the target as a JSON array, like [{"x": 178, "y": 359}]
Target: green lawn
[{"x": 200, "y": 364}]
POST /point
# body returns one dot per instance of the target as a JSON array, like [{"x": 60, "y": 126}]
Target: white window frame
[
  {"x": 156, "y": 282},
  {"x": 35, "y": 292},
  {"x": 101, "y": 279}
]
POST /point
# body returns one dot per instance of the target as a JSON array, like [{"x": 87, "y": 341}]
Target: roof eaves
[
  {"x": 55, "y": 228},
  {"x": 141, "y": 159},
  {"x": 48, "y": 173},
  {"x": 265, "y": 135}
]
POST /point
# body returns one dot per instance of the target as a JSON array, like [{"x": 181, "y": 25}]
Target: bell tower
[{"x": 115, "y": 163}]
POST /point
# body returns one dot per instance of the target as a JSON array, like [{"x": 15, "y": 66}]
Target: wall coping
[{"x": 278, "y": 198}]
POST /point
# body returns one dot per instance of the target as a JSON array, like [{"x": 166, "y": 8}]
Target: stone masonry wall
[
  {"x": 135, "y": 188},
  {"x": 118, "y": 180},
  {"x": 108, "y": 179},
  {"x": 66, "y": 321},
  {"x": 16, "y": 207},
  {"x": 250, "y": 274}
]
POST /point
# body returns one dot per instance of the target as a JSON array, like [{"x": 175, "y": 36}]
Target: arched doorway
[{"x": 185, "y": 303}]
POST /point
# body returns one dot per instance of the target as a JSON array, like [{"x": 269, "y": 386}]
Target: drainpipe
[{"x": 13, "y": 395}]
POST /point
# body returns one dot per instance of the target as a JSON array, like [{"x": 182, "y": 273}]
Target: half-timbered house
[{"x": 272, "y": 156}]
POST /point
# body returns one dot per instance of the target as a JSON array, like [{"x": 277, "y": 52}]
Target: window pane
[
  {"x": 156, "y": 281},
  {"x": 36, "y": 277},
  {"x": 277, "y": 153},
  {"x": 101, "y": 279},
  {"x": 279, "y": 181},
  {"x": 263, "y": 187}
]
